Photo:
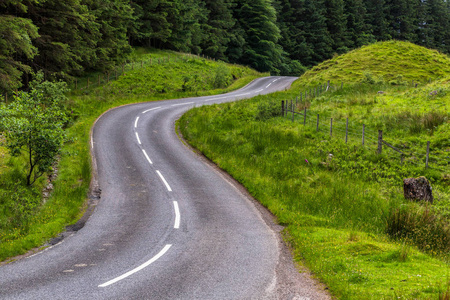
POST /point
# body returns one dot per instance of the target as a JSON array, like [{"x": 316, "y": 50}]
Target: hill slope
[{"x": 390, "y": 62}]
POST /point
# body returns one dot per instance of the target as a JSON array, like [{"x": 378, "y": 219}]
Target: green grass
[
  {"x": 26, "y": 223},
  {"x": 392, "y": 62},
  {"x": 337, "y": 208}
]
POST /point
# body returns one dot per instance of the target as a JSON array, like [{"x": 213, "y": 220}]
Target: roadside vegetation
[
  {"x": 342, "y": 205},
  {"x": 27, "y": 220}
]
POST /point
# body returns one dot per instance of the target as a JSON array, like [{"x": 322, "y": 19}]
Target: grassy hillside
[
  {"x": 342, "y": 204},
  {"x": 25, "y": 221},
  {"x": 392, "y": 62}
]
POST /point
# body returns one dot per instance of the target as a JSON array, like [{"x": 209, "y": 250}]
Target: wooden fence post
[
  {"x": 428, "y": 154},
  {"x": 346, "y": 132},
  {"x": 293, "y": 110},
  {"x": 99, "y": 79},
  {"x": 380, "y": 141},
  {"x": 363, "y": 133},
  {"x": 282, "y": 108}
]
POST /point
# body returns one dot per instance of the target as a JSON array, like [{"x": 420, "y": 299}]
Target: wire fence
[{"x": 423, "y": 154}]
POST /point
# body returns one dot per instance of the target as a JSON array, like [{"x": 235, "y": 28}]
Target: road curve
[{"x": 168, "y": 225}]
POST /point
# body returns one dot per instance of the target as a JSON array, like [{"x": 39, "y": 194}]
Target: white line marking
[
  {"x": 151, "y": 109},
  {"x": 148, "y": 158},
  {"x": 269, "y": 85},
  {"x": 177, "y": 215},
  {"x": 182, "y": 104},
  {"x": 92, "y": 143},
  {"x": 218, "y": 98},
  {"x": 135, "y": 123},
  {"x": 259, "y": 90},
  {"x": 139, "y": 140},
  {"x": 146, "y": 264},
  {"x": 164, "y": 180}
]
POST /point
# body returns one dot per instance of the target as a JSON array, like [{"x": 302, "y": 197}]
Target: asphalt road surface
[{"x": 168, "y": 225}]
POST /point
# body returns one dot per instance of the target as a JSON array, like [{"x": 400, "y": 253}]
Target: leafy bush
[{"x": 222, "y": 77}]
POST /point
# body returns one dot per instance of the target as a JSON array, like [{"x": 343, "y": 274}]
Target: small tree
[{"x": 33, "y": 125}]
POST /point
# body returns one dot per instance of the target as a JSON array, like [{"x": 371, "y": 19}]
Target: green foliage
[
  {"x": 267, "y": 110},
  {"x": 179, "y": 75},
  {"x": 223, "y": 77},
  {"x": 33, "y": 124},
  {"x": 16, "y": 36},
  {"x": 421, "y": 226}
]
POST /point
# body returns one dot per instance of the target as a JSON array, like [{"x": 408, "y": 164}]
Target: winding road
[{"x": 169, "y": 225}]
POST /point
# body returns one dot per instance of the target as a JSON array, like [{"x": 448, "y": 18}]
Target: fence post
[
  {"x": 317, "y": 128},
  {"x": 328, "y": 85},
  {"x": 331, "y": 127},
  {"x": 282, "y": 108},
  {"x": 293, "y": 110},
  {"x": 363, "y": 133},
  {"x": 88, "y": 83},
  {"x": 99, "y": 79},
  {"x": 346, "y": 132},
  {"x": 380, "y": 141},
  {"x": 428, "y": 154}
]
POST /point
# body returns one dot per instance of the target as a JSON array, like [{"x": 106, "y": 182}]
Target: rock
[
  {"x": 380, "y": 92},
  {"x": 418, "y": 189}
]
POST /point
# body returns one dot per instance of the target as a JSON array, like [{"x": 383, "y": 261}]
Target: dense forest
[{"x": 68, "y": 38}]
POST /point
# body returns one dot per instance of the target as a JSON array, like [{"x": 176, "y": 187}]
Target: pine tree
[
  {"x": 357, "y": 29},
  {"x": 261, "y": 50},
  {"x": 216, "y": 28},
  {"x": 16, "y": 50},
  {"x": 376, "y": 19},
  {"x": 337, "y": 25}
]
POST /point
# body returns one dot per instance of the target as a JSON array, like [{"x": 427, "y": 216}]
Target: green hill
[{"x": 392, "y": 62}]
